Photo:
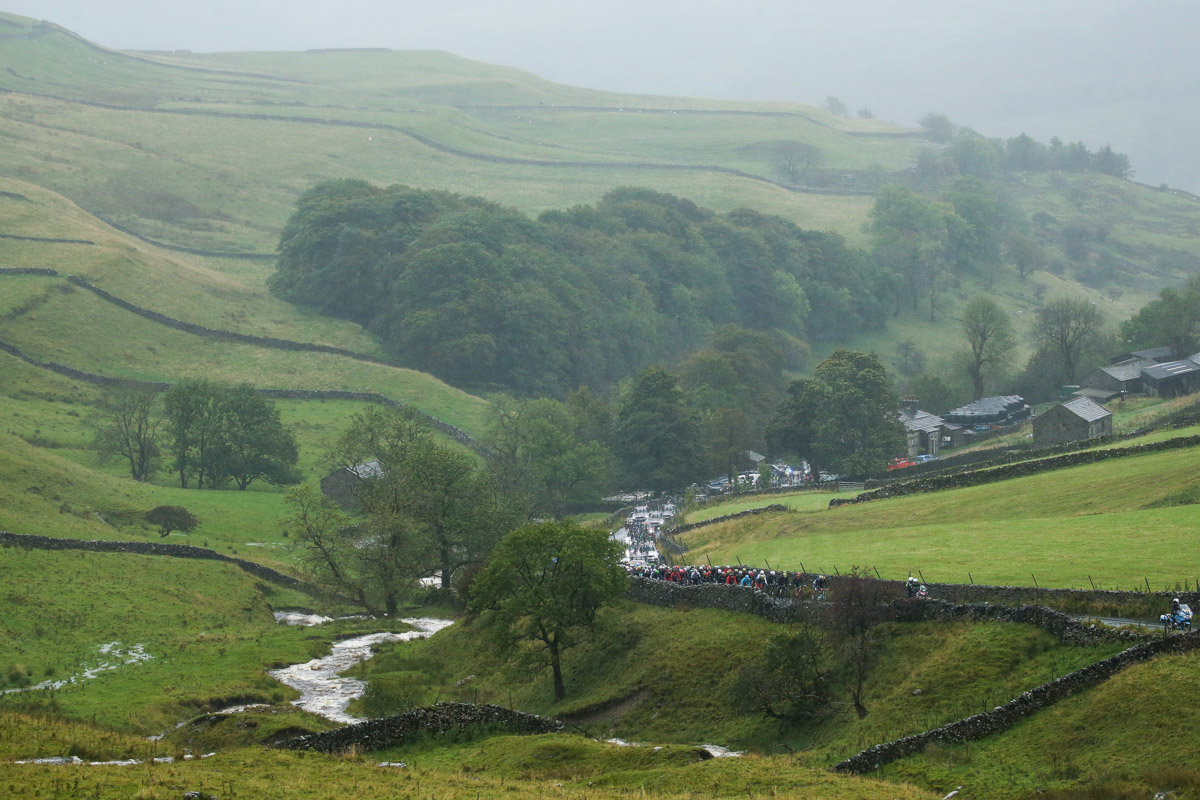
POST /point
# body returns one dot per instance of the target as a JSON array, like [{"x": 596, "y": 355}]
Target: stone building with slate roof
[
  {"x": 1081, "y": 418},
  {"x": 1172, "y": 378},
  {"x": 341, "y": 485},
  {"x": 1125, "y": 376}
]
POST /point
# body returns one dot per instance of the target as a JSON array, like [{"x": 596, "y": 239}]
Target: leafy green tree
[
  {"x": 844, "y": 419},
  {"x": 254, "y": 444},
  {"x": 913, "y": 240},
  {"x": 220, "y": 433},
  {"x": 938, "y": 128},
  {"x": 537, "y": 447},
  {"x": 1066, "y": 327},
  {"x": 975, "y": 244},
  {"x": 1173, "y": 319},
  {"x": 425, "y": 491},
  {"x": 126, "y": 427},
  {"x": 990, "y": 339},
  {"x": 339, "y": 553},
  {"x": 792, "y": 679},
  {"x": 1024, "y": 253},
  {"x": 656, "y": 432},
  {"x": 192, "y": 413},
  {"x": 171, "y": 518},
  {"x": 544, "y": 584}
]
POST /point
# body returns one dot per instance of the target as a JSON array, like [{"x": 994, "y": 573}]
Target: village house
[
  {"x": 927, "y": 433},
  {"x": 1081, "y": 418}
]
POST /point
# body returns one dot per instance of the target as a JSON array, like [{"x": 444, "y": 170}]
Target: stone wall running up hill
[
  {"x": 36, "y": 542},
  {"x": 1003, "y": 717}
]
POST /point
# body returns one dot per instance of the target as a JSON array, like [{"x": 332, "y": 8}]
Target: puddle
[{"x": 116, "y": 658}]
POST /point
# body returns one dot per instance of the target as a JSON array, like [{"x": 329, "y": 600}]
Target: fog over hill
[{"x": 1103, "y": 71}]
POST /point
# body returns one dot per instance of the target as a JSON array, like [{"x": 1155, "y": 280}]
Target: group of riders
[
  {"x": 794, "y": 584},
  {"x": 778, "y": 582}
]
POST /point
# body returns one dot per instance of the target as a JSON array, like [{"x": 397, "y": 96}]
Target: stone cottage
[{"x": 1081, "y": 418}]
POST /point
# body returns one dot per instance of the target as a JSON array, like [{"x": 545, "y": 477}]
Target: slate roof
[
  {"x": 926, "y": 422},
  {"x": 1087, "y": 409},
  {"x": 1099, "y": 395},
  {"x": 368, "y": 469},
  {"x": 1155, "y": 353},
  {"x": 1171, "y": 369},
  {"x": 1129, "y": 370}
]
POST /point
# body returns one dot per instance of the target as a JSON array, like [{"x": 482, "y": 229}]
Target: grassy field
[
  {"x": 669, "y": 676},
  {"x": 1128, "y": 734},
  {"x": 1120, "y": 522}
]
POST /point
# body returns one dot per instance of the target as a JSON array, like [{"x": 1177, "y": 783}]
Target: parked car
[{"x": 925, "y": 458}]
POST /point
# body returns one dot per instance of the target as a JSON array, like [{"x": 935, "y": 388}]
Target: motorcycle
[{"x": 1180, "y": 620}]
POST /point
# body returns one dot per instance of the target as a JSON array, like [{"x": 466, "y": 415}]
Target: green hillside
[
  {"x": 211, "y": 152},
  {"x": 1116, "y": 522}
]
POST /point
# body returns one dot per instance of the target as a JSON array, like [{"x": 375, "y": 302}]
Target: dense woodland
[{"x": 484, "y": 297}]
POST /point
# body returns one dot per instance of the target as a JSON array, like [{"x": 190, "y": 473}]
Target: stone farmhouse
[{"x": 1081, "y": 418}]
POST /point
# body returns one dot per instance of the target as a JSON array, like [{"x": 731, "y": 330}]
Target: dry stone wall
[
  {"x": 36, "y": 542},
  {"x": 979, "y": 477},
  {"x": 378, "y": 734},
  {"x": 745, "y": 600},
  {"x": 1004, "y": 717}
]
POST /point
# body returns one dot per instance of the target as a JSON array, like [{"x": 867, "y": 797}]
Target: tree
[
  {"x": 1173, "y": 319},
  {"x": 835, "y": 106},
  {"x": 431, "y": 501},
  {"x": 254, "y": 444},
  {"x": 860, "y": 604},
  {"x": 938, "y": 128},
  {"x": 791, "y": 680},
  {"x": 544, "y": 584},
  {"x": 845, "y": 418},
  {"x": 220, "y": 433},
  {"x": 537, "y": 447},
  {"x": 656, "y": 432},
  {"x": 1066, "y": 326},
  {"x": 171, "y": 518},
  {"x": 792, "y": 159},
  {"x": 127, "y": 428},
  {"x": 191, "y": 410},
  {"x": 372, "y": 563},
  {"x": 1024, "y": 253},
  {"x": 989, "y": 336}
]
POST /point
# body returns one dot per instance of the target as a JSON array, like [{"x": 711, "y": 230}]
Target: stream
[{"x": 322, "y": 689}]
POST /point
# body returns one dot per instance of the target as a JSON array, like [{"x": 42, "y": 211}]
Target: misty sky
[{"x": 1104, "y": 71}]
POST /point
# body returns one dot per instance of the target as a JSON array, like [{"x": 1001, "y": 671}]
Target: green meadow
[{"x": 1121, "y": 522}]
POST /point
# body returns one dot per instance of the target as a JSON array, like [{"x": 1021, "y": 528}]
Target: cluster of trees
[
  {"x": 211, "y": 434},
  {"x": 485, "y": 297},
  {"x": 969, "y": 153},
  {"x": 843, "y": 419},
  {"x": 925, "y": 247},
  {"x": 1172, "y": 319}
]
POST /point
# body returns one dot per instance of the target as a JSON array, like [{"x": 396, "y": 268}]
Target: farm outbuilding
[
  {"x": 1172, "y": 378},
  {"x": 1081, "y": 418},
  {"x": 342, "y": 485}
]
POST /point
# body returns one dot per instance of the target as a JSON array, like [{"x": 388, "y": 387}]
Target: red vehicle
[{"x": 901, "y": 463}]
